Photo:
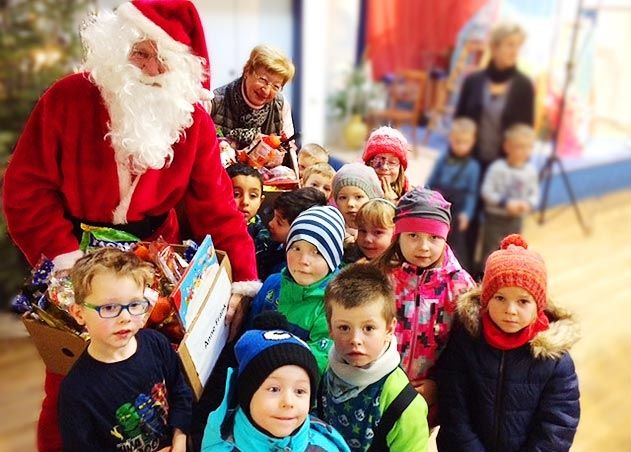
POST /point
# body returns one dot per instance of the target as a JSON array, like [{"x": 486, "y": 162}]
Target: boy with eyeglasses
[{"x": 126, "y": 391}]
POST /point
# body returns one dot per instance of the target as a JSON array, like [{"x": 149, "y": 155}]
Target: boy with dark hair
[
  {"x": 247, "y": 185},
  {"x": 126, "y": 391},
  {"x": 364, "y": 394},
  {"x": 287, "y": 207}
]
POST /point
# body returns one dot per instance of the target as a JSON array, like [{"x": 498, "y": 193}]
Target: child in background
[
  {"x": 353, "y": 185},
  {"x": 375, "y": 226},
  {"x": 510, "y": 189},
  {"x": 267, "y": 400},
  {"x": 386, "y": 152},
  {"x": 364, "y": 378},
  {"x": 427, "y": 281},
  {"x": 314, "y": 252},
  {"x": 287, "y": 207},
  {"x": 247, "y": 186},
  {"x": 506, "y": 379},
  {"x": 319, "y": 176},
  {"x": 309, "y": 155},
  {"x": 126, "y": 391},
  {"x": 457, "y": 177}
]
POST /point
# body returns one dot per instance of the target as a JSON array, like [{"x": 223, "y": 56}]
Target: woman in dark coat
[
  {"x": 499, "y": 96},
  {"x": 501, "y": 386}
]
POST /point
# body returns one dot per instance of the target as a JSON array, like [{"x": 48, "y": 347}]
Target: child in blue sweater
[{"x": 457, "y": 177}]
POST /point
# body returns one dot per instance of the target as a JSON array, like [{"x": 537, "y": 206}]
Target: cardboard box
[
  {"x": 202, "y": 297},
  {"x": 59, "y": 349}
]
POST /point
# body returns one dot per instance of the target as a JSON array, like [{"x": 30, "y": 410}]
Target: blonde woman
[{"x": 253, "y": 102}]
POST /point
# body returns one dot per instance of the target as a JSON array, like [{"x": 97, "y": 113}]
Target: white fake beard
[{"x": 147, "y": 114}]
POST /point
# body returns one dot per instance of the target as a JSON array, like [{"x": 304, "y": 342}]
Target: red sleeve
[
  {"x": 211, "y": 209},
  {"x": 32, "y": 201}
]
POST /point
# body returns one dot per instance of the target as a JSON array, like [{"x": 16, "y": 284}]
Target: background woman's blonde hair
[
  {"x": 108, "y": 260},
  {"x": 376, "y": 212},
  {"x": 266, "y": 57},
  {"x": 503, "y": 30}
]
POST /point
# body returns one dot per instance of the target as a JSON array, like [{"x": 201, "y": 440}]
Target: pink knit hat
[{"x": 386, "y": 140}]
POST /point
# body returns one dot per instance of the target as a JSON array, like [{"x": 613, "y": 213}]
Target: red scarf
[{"x": 508, "y": 341}]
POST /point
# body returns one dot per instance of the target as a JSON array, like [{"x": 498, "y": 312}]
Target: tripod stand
[{"x": 545, "y": 176}]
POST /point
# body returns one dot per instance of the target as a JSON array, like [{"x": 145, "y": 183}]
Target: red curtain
[{"x": 414, "y": 34}]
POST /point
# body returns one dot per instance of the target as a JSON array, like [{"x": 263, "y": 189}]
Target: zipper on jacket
[
  {"x": 498, "y": 402},
  {"x": 417, "y": 304}
]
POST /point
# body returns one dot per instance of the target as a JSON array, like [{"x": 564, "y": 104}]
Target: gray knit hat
[
  {"x": 423, "y": 210},
  {"x": 323, "y": 227},
  {"x": 360, "y": 176}
]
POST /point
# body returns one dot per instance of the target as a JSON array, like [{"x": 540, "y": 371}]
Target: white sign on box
[{"x": 211, "y": 333}]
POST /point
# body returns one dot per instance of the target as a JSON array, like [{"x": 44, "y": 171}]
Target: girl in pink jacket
[{"x": 427, "y": 281}]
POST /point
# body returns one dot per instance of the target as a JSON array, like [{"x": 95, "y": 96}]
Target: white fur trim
[
  {"x": 153, "y": 31},
  {"x": 246, "y": 288},
  {"x": 66, "y": 261}
]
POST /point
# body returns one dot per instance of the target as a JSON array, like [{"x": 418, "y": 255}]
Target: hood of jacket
[{"x": 552, "y": 343}]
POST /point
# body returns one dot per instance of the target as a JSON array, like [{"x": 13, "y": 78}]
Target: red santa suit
[
  {"x": 63, "y": 167},
  {"x": 64, "y": 170}
]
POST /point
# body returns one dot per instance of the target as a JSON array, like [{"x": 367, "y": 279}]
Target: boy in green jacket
[
  {"x": 364, "y": 394},
  {"x": 314, "y": 252}
]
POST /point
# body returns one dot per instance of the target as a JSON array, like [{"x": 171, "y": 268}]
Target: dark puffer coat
[{"x": 525, "y": 399}]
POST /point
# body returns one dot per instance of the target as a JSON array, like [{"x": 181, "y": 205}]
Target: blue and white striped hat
[{"x": 323, "y": 227}]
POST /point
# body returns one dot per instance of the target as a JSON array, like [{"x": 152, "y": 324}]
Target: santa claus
[{"x": 122, "y": 144}]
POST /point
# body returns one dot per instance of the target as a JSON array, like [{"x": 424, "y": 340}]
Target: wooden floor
[{"x": 590, "y": 274}]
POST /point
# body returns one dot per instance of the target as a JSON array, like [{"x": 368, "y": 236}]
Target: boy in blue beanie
[{"x": 274, "y": 387}]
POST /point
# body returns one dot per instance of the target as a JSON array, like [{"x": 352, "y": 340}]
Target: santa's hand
[
  {"x": 64, "y": 262},
  {"x": 242, "y": 293},
  {"x": 234, "y": 316}
]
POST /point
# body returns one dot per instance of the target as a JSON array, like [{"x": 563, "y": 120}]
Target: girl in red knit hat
[
  {"x": 386, "y": 151},
  {"x": 506, "y": 380}
]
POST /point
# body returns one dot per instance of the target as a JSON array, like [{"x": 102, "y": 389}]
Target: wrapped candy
[{"x": 99, "y": 237}]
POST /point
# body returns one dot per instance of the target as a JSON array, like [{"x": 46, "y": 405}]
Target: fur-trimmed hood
[{"x": 552, "y": 343}]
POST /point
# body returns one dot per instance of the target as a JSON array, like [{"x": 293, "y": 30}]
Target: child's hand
[
  {"x": 463, "y": 221},
  {"x": 428, "y": 389},
  {"x": 388, "y": 191},
  {"x": 514, "y": 208}
]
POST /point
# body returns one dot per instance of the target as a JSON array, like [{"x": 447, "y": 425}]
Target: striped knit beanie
[
  {"x": 513, "y": 265},
  {"x": 360, "y": 176},
  {"x": 386, "y": 140},
  {"x": 423, "y": 210},
  {"x": 323, "y": 227}
]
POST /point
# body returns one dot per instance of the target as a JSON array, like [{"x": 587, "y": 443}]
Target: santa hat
[
  {"x": 386, "y": 140},
  {"x": 173, "y": 24}
]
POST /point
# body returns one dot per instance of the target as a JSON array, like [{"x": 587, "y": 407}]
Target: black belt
[{"x": 142, "y": 229}]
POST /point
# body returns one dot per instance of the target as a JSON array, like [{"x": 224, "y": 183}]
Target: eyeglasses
[
  {"x": 112, "y": 310},
  {"x": 263, "y": 81},
  {"x": 379, "y": 162}
]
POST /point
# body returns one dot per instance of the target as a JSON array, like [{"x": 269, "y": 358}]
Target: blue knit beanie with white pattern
[{"x": 323, "y": 227}]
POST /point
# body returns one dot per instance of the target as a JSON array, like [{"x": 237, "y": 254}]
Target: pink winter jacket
[{"x": 426, "y": 302}]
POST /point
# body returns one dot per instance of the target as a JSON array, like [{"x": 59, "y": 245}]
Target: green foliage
[
  {"x": 39, "y": 43},
  {"x": 357, "y": 95}
]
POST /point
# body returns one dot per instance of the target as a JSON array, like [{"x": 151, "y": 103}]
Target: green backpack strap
[{"x": 390, "y": 416}]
